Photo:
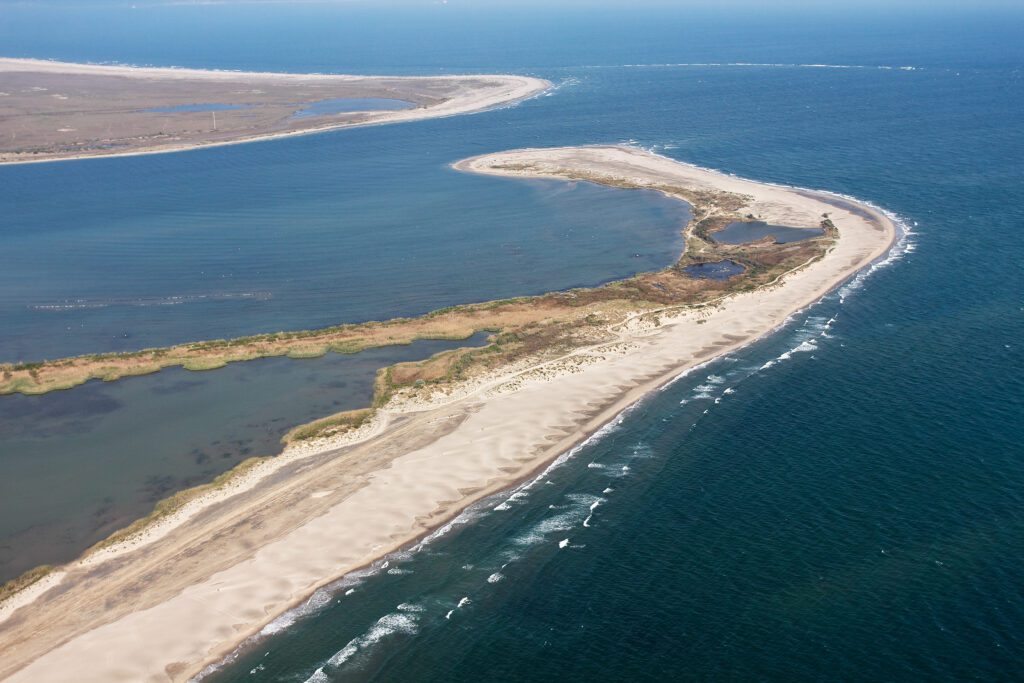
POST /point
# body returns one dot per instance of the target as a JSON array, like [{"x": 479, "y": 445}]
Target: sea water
[{"x": 841, "y": 500}]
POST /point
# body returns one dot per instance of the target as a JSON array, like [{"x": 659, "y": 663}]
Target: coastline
[
  {"x": 563, "y": 401},
  {"x": 513, "y": 89}
]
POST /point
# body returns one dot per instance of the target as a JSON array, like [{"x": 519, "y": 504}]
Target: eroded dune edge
[{"x": 183, "y": 592}]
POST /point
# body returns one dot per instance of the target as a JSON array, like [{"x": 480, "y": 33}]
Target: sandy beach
[
  {"x": 184, "y": 594},
  {"x": 55, "y": 111}
]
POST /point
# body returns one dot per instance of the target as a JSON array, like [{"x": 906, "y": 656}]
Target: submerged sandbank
[{"x": 210, "y": 580}]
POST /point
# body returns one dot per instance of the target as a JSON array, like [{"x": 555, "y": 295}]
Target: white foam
[
  {"x": 495, "y": 577},
  {"x": 411, "y": 607},
  {"x": 319, "y": 599},
  {"x": 389, "y": 624},
  {"x": 594, "y": 506}
]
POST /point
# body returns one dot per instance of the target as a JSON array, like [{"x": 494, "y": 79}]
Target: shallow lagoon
[
  {"x": 362, "y": 224},
  {"x": 93, "y": 459},
  {"x": 716, "y": 270},
  {"x": 742, "y": 232},
  {"x": 344, "y": 105}
]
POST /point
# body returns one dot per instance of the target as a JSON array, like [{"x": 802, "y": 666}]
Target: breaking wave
[{"x": 403, "y": 621}]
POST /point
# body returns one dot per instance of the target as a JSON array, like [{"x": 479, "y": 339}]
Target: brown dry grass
[{"x": 522, "y": 325}]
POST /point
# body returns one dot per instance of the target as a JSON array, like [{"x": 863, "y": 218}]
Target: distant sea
[{"x": 841, "y": 501}]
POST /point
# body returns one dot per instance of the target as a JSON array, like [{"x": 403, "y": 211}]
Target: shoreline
[
  {"x": 519, "y": 89},
  {"x": 646, "y": 366}
]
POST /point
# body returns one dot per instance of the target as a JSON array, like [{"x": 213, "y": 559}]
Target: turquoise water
[
  {"x": 741, "y": 232},
  {"x": 851, "y": 509},
  {"x": 89, "y": 461}
]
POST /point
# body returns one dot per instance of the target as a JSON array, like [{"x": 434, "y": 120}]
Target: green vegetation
[
  {"x": 329, "y": 426},
  {"x": 537, "y": 327},
  {"x": 24, "y": 581}
]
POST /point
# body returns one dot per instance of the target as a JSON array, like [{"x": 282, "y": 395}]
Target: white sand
[{"x": 499, "y": 431}]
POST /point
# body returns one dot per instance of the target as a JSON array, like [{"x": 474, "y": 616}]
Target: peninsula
[
  {"x": 59, "y": 110},
  {"x": 175, "y": 595}
]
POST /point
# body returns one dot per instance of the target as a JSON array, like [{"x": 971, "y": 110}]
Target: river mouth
[{"x": 742, "y": 232}]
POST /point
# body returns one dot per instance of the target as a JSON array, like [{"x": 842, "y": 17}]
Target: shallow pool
[
  {"x": 350, "y": 104},
  {"x": 716, "y": 270},
  {"x": 742, "y": 232},
  {"x": 92, "y": 459}
]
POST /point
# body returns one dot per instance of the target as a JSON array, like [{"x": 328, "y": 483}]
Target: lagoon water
[
  {"x": 714, "y": 270},
  {"x": 150, "y": 251},
  {"x": 346, "y": 104},
  {"x": 842, "y": 500},
  {"x": 83, "y": 463},
  {"x": 741, "y": 232}
]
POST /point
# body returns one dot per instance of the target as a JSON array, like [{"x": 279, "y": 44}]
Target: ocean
[{"x": 842, "y": 500}]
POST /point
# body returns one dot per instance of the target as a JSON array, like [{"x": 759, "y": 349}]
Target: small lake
[
  {"x": 717, "y": 270},
  {"x": 90, "y": 460},
  {"x": 350, "y": 104},
  {"x": 742, "y": 232}
]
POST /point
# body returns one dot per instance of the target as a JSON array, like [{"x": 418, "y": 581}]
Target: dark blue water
[
  {"x": 853, "y": 507},
  {"x": 347, "y": 104},
  {"x": 716, "y": 270},
  {"x": 741, "y": 232}
]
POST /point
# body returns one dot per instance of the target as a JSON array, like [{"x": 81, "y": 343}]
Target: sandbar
[
  {"x": 184, "y": 594},
  {"x": 51, "y": 111}
]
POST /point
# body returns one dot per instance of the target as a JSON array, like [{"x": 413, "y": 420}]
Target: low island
[
  {"x": 60, "y": 110},
  {"x": 181, "y": 590}
]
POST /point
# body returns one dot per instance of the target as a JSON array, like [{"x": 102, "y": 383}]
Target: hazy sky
[{"x": 744, "y": 5}]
